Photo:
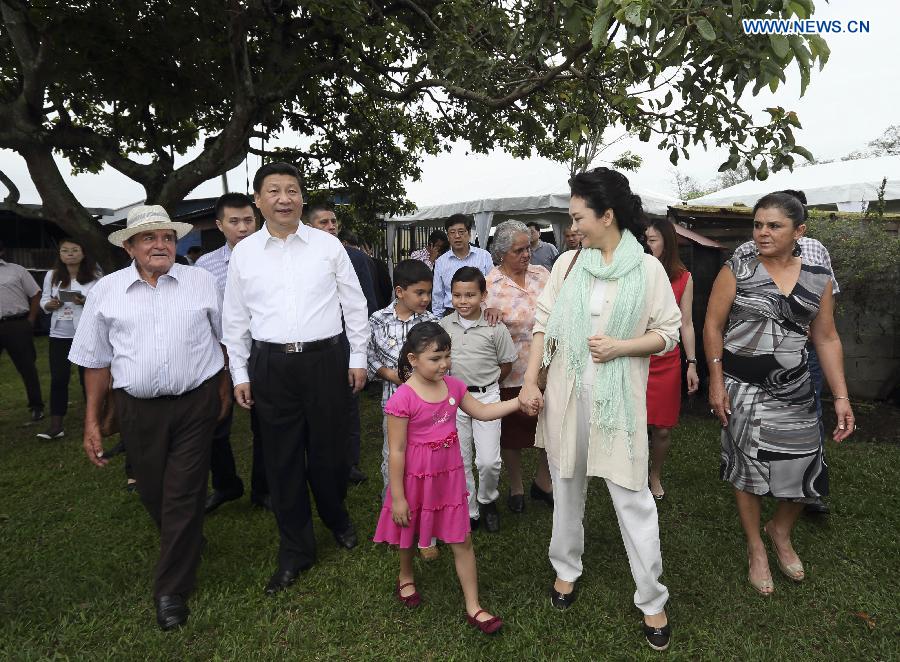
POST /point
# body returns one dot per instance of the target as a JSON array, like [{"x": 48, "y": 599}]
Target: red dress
[{"x": 664, "y": 381}]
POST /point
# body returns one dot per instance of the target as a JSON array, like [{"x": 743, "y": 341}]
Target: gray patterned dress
[{"x": 772, "y": 445}]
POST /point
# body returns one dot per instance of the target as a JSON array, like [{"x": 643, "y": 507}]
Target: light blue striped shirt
[
  {"x": 216, "y": 263},
  {"x": 161, "y": 340},
  {"x": 447, "y": 265}
]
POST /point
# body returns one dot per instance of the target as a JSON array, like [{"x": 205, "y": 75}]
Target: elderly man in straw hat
[{"x": 152, "y": 331}]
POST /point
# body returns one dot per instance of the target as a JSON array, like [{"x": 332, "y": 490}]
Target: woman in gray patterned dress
[{"x": 762, "y": 310}]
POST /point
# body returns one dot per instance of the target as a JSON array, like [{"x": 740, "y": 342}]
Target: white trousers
[
  {"x": 486, "y": 437},
  {"x": 635, "y": 510}
]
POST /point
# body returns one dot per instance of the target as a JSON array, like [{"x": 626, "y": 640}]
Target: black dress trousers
[
  {"x": 167, "y": 442},
  {"x": 301, "y": 402}
]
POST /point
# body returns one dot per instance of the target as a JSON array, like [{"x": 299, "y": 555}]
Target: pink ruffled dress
[{"x": 434, "y": 480}]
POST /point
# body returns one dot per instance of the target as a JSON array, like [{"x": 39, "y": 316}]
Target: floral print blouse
[{"x": 518, "y": 307}]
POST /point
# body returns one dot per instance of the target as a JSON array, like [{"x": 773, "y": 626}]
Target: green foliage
[
  {"x": 356, "y": 91},
  {"x": 865, "y": 255}
]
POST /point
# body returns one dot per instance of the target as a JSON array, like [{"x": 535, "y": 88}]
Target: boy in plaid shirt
[{"x": 389, "y": 327}]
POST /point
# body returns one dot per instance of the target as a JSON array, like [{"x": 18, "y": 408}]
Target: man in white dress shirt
[
  {"x": 287, "y": 289},
  {"x": 153, "y": 328}
]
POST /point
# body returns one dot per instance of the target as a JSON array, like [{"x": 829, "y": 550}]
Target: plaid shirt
[
  {"x": 812, "y": 251},
  {"x": 388, "y": 333}
]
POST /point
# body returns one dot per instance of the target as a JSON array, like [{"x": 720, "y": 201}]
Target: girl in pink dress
[{"x": 427, "y": 495}]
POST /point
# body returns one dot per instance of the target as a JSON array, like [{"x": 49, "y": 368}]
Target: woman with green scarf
[{"x": 595, "y": 328}]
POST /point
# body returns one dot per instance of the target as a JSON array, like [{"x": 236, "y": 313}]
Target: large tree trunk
[{"x": 62, "y": 208}]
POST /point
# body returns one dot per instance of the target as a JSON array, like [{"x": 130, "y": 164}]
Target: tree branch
[{"x": 455, "y": 91}]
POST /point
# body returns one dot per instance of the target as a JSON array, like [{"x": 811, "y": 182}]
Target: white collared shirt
[
  {"x": 161, "y": 340},
  {"x": 292, "y": 290}
]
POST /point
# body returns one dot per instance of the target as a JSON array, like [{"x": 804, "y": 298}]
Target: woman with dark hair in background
[
  {"x": 595, "y": 327},
  {"x": 664, "y": 382},
  {"x": 66, "y": 287},
  {"x": 762, "y": 310}
]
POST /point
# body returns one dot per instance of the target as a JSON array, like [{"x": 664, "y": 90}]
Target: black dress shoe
[
  {"x": 281, "y": 580},
  {"x": 347, "y": 538},
  {"x": 658, "y": 638},
  {"x": 37, "y": 414},
  {"x": 561, "y": 600},
  {"x": 540, "y": 495},
  {"x": 171, "y": 611},
  {"x": 516, "y": 503},
  {"x": 490, "y": 516},
  {"x": 817, "y": 507},
  {"x": 217, "y": 498},
  {"x": 262, "y": 500},
  {"x": 356, "y": 476}
]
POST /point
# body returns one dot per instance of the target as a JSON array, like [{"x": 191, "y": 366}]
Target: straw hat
[{"x": 146, "y": 218}]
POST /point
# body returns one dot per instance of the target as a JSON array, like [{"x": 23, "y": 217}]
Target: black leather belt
[
  {"x": 10, "y": 318},
  {"x": 480, "y": 389},
  {"x": 173, "y": 397},
  {"x": 297, "y": 347}
]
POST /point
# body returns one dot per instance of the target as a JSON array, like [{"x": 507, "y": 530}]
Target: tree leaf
[
  {"x": 598, "y": 30},
  {"x": 705, "y": 29},
  {"x": 633, "y": 14},
  {"x": 780, "y": 45},
  {"x": 805, "y": 153},
  {"x": 675, "y": 41}
]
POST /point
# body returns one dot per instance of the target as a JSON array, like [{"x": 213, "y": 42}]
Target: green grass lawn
[{"x": 78, "y": 551}]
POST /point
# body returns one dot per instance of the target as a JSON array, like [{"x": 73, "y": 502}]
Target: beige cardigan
[{"x": 557, "y": 422}]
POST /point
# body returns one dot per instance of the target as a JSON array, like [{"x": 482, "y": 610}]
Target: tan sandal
[
  {"x": 793, "y": 571},
  {"x": 764, "y": 587}
]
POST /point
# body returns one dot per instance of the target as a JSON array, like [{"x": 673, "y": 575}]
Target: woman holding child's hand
[{"x": 605, "y": 310}]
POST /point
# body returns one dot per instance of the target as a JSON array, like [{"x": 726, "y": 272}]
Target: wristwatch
[{"x": 694, "y": 361}]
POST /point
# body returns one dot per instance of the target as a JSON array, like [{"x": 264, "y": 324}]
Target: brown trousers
[{"x": 167, "y": 442}]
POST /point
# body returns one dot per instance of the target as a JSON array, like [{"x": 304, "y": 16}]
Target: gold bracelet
[{"x": 840, "y": 397}]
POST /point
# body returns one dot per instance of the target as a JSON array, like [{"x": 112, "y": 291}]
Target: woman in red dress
[{"x": 664, "y": 382}]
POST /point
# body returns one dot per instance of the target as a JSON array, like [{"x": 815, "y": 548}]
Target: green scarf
[{"x": 569, "y": 327}]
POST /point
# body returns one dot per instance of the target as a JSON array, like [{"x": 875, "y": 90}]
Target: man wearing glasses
[{"x": 461, "y": 254}]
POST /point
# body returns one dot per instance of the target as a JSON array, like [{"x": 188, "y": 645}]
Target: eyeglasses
[{"x": 457, "y": 233}]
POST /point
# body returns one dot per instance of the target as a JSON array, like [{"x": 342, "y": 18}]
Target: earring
[{"x": 796, "y": 252}]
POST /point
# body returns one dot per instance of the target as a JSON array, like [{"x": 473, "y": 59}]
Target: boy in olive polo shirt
[{"x": 482, "y": 356}]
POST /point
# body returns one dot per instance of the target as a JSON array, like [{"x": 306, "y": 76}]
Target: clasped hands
[{"x": 602, "y": 349}]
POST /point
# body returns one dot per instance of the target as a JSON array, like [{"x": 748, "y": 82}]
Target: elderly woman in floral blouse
[{"x": 513, "y": 288}]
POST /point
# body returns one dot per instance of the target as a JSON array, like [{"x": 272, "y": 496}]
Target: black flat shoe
[
  {"x": 490, "y": 516},
  {"x": 562, "y": 600},
  {"x": 347, "y": 538},
  {"x": 657, "y": 638},
  {"x": 281, "y": 580},
  {"x": 356, "y": 476},
  {"x": 516, "y": 503},
  {"x": 217, "y": 498},
  {"x": 171, "y": 612},
  {"x": 262, "y": 501},
  {"x": 540, "y": 495}
]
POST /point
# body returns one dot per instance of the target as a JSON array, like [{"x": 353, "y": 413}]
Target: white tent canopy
[
  {"x": 551, "y": 208},
  {"x": 846, "y": 184}
]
